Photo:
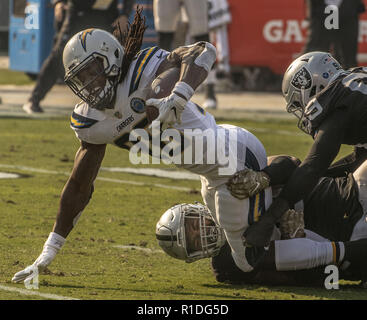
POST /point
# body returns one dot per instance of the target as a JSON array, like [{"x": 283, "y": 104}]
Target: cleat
[
  {"x": 32, "y": 108},
  {"x": 210, "y": 104}
]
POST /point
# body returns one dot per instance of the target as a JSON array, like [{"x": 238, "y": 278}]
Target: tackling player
[
  {"x": 335, "y": 211},
  {"x": 330, "y": 104}
]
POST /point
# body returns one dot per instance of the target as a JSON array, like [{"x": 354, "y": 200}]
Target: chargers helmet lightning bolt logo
[{"x": 83, "y": 37}]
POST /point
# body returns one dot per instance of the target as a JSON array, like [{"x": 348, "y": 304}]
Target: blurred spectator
[
  {"x": 166, "y": 17},
  {"x": 72, "y": 16},
  {"x": 219, "y": 17},
  {"x": 342, "y": 42}
]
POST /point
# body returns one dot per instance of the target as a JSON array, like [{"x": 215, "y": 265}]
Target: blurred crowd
[{"x": 182, "y": 22}]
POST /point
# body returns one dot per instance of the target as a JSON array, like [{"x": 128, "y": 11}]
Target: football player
[
  {"x": 334, "y": 212},
  {"x": 330, "y": 104},
  {"x": 114, "y": 82}
]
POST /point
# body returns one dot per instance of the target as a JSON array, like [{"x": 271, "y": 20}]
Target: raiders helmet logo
[
  {"x": 138, "y": 105},
  {"x": 302, "y": 79}
]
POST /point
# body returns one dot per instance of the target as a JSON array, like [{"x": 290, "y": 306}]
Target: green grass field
[
  {"x": 92, "y": 265},
  {"x": 14, "y": 77}
]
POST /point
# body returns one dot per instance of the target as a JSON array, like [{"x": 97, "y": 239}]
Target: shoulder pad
[
  {"x": 142, "y": 61},
  {"x": 84, "y": 117}
]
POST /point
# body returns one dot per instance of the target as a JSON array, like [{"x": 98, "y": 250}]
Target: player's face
[
  {"x": 192, "y": 232},
  {"x": 92, "y": 77}
]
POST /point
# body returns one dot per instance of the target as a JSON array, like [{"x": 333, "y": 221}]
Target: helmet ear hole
[
  {"x": 116, "y": 53},
  {"x": 312, "y": 91}
]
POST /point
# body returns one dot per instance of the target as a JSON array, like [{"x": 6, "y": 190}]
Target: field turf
[{"x": 112, "y": 252}]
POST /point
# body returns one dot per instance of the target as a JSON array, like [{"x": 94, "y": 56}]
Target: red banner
[{"x": 271, "y": 34}]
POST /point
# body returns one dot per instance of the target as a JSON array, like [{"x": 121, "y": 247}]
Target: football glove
[
  {"x": 170, "y": 109},
  {"x": 246, "y": 183},
  {"x": 51, "y": 247},
  {"x": 259, "y": 233},
  {"x": 292, "y": 225}
]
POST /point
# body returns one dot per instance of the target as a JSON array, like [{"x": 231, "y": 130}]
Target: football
[{"x": 161, "y": 87}]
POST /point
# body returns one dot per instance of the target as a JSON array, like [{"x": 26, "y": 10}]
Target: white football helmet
[
  {"x": 92, "y": 60},
  {"x": 172, "y": 235},
  {"x": 305, "y": 77}
]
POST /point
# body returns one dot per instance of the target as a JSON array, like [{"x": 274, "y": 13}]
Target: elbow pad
[{"x": 207, "y": 57}]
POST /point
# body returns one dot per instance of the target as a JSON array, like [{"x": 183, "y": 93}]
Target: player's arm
[
  {"x": 348, "y": 164},
  {"x": 281, "y": 167},
  {"x": 247, "y": 182},
  {"x": 323, "y": 151},
  {"x": 79, "y": 187},
  {"x": 195, "y": 62},
  {"x": 75, "y": 196}
]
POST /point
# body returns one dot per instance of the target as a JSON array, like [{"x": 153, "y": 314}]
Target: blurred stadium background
[{"x": 264, "y": 37}]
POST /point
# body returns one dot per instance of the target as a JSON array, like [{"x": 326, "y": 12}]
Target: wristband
[
  {"x": 207, "y": 57},
  {"x": 183, "y": 89},
  {"x": 55, "y": 241}
]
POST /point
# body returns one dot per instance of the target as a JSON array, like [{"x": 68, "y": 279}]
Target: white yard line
[
  {"x": 29, "y": 169},
  {"x": 131, "y": 247},
  {"x": 161, "y": 173},
  {"x": 281, "y": 132},
  {"x": 137, "y": 248},
  {"x": 6, "y": 175},
  {"x": 35, "y": 293},
  {"x": 137, "y": 183}
]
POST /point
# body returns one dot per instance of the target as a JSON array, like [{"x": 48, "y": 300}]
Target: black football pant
[{"x": 343, "y": 41}]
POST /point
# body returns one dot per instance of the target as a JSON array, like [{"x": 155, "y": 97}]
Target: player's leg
[
  {"x": 225, "y": 270},
  {"x": 52, "y": 67},
  {"x": 347, "y": 43},
  {"x": 317, "y": 38},
  {"x": 166, "y": 15},
  {"x": 221, "y": 37},
  {"x": 210, "y": 98},
  {"x": 284, "y": 255},
  {"x": 234, "y": 216},
  {"x": 360, "y": 177},
  {"x": 358, "y": 244},
  {"x": 304, "y": 253},
  {"x": 208, "y": 195},
  {"x": 197, "y": 12}
]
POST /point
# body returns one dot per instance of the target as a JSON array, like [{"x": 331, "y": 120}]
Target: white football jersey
[
  {"x": 204, "y": 147},
  {"x": 232, "y": 214},
  {"x": 113, "y": 126}
]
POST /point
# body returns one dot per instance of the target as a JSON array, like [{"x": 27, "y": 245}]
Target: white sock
[{"x": 303, "y": 253}]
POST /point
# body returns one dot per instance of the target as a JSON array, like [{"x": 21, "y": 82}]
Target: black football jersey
[
  {"x": 332, "y": 208},
  {"x": 349, "y": 93},
  {"x": 336, "y": 116}
]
